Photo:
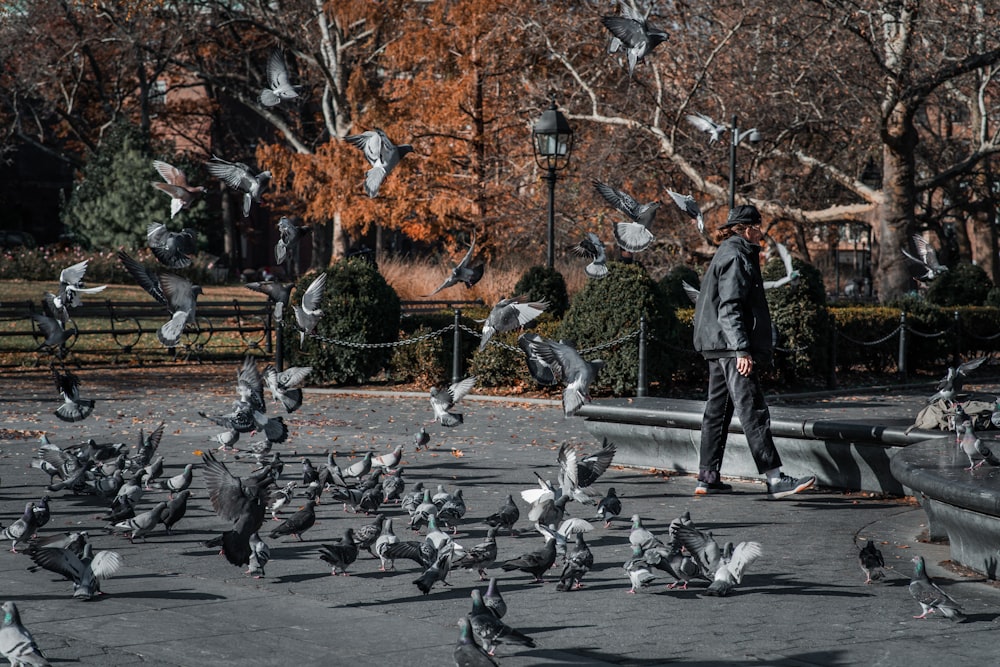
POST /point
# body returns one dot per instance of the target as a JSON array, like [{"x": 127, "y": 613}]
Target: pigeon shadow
[
  {"x": 181, "y": 594},
  {"x": 299, "y": 578},
  {"x": 780, "y": 584},
  {"x": 586, "y": 656}
]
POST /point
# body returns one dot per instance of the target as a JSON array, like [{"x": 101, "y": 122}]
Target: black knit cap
[{"x": 743, "y": 215}]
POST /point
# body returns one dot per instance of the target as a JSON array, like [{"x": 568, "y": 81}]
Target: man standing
[{"x": 732, "y": 330}]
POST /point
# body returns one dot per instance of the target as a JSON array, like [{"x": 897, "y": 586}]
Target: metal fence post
[
  {"x": 956, "y": 360},
  {"x": 456, "y": 349},
  {"x": 640, "y": 389},
  {"x": 279, "y": 345},
  {"x": 831, "y": 379},
  {"x": 901, "y": 363}
]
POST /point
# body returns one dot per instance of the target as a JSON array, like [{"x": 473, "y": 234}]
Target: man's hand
[{"x": 744, "y": 366}]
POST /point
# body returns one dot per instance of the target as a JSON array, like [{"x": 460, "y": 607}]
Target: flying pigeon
[
  {"x": 790, "y": 273},
  {"x": 241, "y": 178},
  {"x": 577, "y": 470},
  {"x": 509, "y": 314},
  {"x": 592, "y": 248},
  {"x": 382, "y": 155},
  {"x": 463, "y": 272},
  {"x": 238, "y": 501},
  {"x": 55, "y": 335},
  {"x": 70, "y": 289},
  {"x": 467, "y": 652},
  {"x": 16, "y": 642},
  {"x": 576, "y": 373},
  {"x": 490, "y": 630},
  {"x": 954, "y": 379},
  {"x": 279, "y": 294},
  {"x": 172, "y": 249},
  {"x": 278, "y": 86},
  {"x": 443, "y": 400},
  {"x": 285, "y": 386},
  {"x": 506, "y": 516},
  {"x": 687, "y": 204},
  {"x": 635, "y": 33},
  {"x": 178, "y": 294},
  {"x": 631, "y": 236},
  {"x": 289, "y": 234},
  {"x": 307, "y": 315},
  {"x": 540, "y": 370},
  {"x": 926, "y": 259},
  {"x": 73, "y": 408},
  {"x": 930, "y": 596},
  {"x": 175, "y": 184},
  {"x": 872, "y": 563},
  {"x": 975, "y": 448},
  {"x": 706, "y": 124},
  {"x": 732, "y": 564},
  {"x": 85, "y": 571},
  {"x": 609, "y": 507}
]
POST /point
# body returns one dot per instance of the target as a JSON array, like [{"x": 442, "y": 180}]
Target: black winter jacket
[{"x": 731, "y": 318}]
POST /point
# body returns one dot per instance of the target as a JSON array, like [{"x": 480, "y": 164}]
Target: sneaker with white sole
[
  {"x": 705, "y": 488},
  {"x": 788, "y": 486}
]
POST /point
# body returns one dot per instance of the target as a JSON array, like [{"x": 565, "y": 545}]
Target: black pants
[{"x": 729, "y": 393}]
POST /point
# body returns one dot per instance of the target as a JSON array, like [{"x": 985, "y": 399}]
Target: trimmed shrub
[
  {"x": 964, "y": 285},
  {"x": 540, "y": 283},
  {"x": 799, "y": 314},
  {"x": 421, "y": 362},
  {"x": 358, "y": 307},
  {"x": 672, "y": 285},
  {"x": 608, "y": 309},
  {"x": 501, "y": 366}
]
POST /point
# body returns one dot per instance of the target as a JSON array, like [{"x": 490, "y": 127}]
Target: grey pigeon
[
  {"x": 540, "y": 370},
  {"x": 452, "y": 510},
  {"x": 16, "y": 642},
  {"x": 631, "y": 236},
  {"x": 506, "y": 516},
  {"x": 463, "y": 272},
  {"x": 732, "y": 565},
  {"x": 953, "y": 381},
  {"x": 278, "y": 86},
  {"x": 260, "y": 554},
  {"x": 637, "y": 571},
  {"x": 579, "y": 560},
  {"x": 142, "y": 524},
  {"x": 84, "y": 571},
  {"x": 175, "y": 184},
  {"x": 382, "y": 155},
  {"x": 438, "y": 570},
  {"x": 298, "y": 523},
  {"x": 153, "y": 471},
  {"x": 172, "y": 249},
  {"x": 975, "y": 448},
  {"x": 41, "y": 513},
  {"x": 55, "y": 335},
  {"x": 705, "y": 124},
  {"x": 340, "y": 555},
  {"x": 285, "y": 386},
  {"x": 148, "y": 445},
  {"x": 21, "y": 530},
  {"x": 393, "y": 486},
  {"x": 702, "y": 546},
  {"x": 872, "y": 562},
  {"x": 609, "y": 507},
  {"x": 926, "y": 259},
  {"x": 279, "y": 498},
  {"x": 178, "y": 294},
  {"x": 240, "y": 177},
  {"x": 359, "y": 468},
  {"x": 248, "y": 413},
  {"x": 443, "y": 400},
  {"x": 481, "y": 556},
  {"x": 577, "y": 373},
  {"x": 389, "y": 460},
  {"x": 642, "y": 537},
  {"x": 366, "y": 536},
  {"x": 422, "y": 552},
  {"x": 930, "y": 597},
  {"x": 289, "y": 235},
  {"x": 490, "y": 630},
  {"x": 577, "y": 469},
  {"x": 592, "y": 248},
  {"x": 467, "y": 652},
  {"x": 635, "y": 33},
  {"x": 508, "y": 315},
  {"x": 535, "y": 563},
  {"x": 307, "y": 314},
  {"x": 493, "y": 599},
  {"x": 385, "y": 539},
  {"x": 175, "y": 510},
  {"x": 687, "y": 204},
  {"x": 278, "y": 294},
  {"x": 420, "y": 439},
  {"x": 178, "y": 482},
  {"x": 237, "y": 501},
  {"x": 73, "y": 408}
]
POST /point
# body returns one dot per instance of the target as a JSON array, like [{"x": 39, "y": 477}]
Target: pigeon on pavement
[
  {"x": 84, "y": 571},
  {"x": 175, "y": 510},
  {"x": 732, "y": 564},
  {"x": 278, "y": 86},
  {"x": 438, "y": 570},
  {"x": 481, "y": 556},
  {"x": 930, "y": 596},
  {"x": 141, "y": 525},
  {"x": 506, "y": 516},
  {"x": 240, "y": 177},
  {"x": 23, "y": 529},
  {"x": 297, "y": 523},
  {"x": 493, "y": 599},
  {"x": 236, "y": 501},
  {"x": 467, "y": 652},
  {"x": 175, "y": 184},
  {"x": 443, "y": 400},
  {"x": 16, "y": 642},
  {"x": 609, "y": 507},
  {"x": 463, "y": 272},
  {"x": 635, "y": 33},
  {"x": 509, "y": 314},
  {"x": 535, "y": 563},
  {"x": 382, "y": 155},
  {"x": 872, "y": 563},
  {"x": 260, "y": 554},
  {"x": 178, "y": 482},
  {"x": 490, "y": 630},
  {"x": 340, "y": 555},
  {"x": 637, "y": 571},
  {"x": 579, "y": 560},
  {"x": 386, "y": 538}
]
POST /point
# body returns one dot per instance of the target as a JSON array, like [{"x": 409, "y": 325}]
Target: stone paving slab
[{"x": 178, "y": 603}]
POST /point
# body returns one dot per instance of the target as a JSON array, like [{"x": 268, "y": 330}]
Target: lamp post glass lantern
[{"x": 552, "y": 141}]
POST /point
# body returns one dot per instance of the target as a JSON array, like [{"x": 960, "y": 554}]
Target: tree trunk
[{"x": 896, "y": 223}]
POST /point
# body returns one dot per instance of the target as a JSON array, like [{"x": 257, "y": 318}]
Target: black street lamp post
[
  {"x": 736, "y": 138},
  {"x": 552, "y": 143}
]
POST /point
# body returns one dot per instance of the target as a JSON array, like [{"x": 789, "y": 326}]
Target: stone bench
[
  {"x": 962, "y": 506},
  {"x": 850, "y": 454}
]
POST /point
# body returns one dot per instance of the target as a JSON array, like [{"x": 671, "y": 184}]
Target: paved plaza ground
[{"x": 178, "y": 603}]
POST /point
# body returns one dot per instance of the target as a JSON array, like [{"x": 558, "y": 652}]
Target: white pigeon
[
  {"x": 443, "y": 400},
  {"x": 308, "y": 313},
  {"x": 382, "y": 155},
  {"x": 638, "y": 571},
  {"x": 926, "y": 258},
  {"x": 509, "y": 314},
  {"x": 706, "y": 124},
  {"x": 687, "y": 204},
  {"x": 592, "y": 248},
  {"x": 279, "y": 88},
  {"x": 732, "y": 565},
  {"x": 790, "y": 273}
]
